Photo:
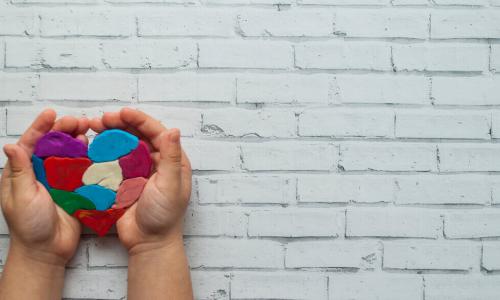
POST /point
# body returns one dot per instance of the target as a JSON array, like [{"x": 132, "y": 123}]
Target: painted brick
[
  {"x": 460, "y": 287},
  {"x": 436, "y": 57},
  {"x": 245, "y": 122},
  {"x": 468, "y": 157},
  {"x": 286, "y": 23},
  {"x": 430, "y": 255},
  {"x": 239, "y": 253},
  {"x": 284, "y": 89},
  {"x": 215, "y": 222},
  {"x": 107, "y": 252},
  {"x": 387, "y": 156},
  {"x": 186, "y": 87},
  {"x": 246, "y": 189},
  {"x": 87, "y": 86},
  {"x": 210, "y": 285},
  {"x": 328, "y": 254},
  {"x": 344, "y": 189},
  {"x": 149, "y": 54},
  {"x": 17, "y": 23},
  {"x": 245, "y": 54},
  {"x": 343, "y": 56},
  {"x": 296, "y": 223},
  {"x": 393, "y": 222},
  {"x": 466, "y": 91},
  {"x": 370, "y": 89},
  {"x": 491, "y": 256},
  {"x": 278, "y": 285},
  {"x": 443, "y": 189},
  {"x": 472, "y": 224},
  {"x": 443, "y": 124},
  {"x": 382, "y": 23},
  {"x": 346, "y": 122},
  {"x": 81, "y": 283},
  {"x": 457, "y": 24},
  {"x": 17, "y": 86},
  {"x": 371, "y": 286},
  {"x": 212, "y": 155},
  {"x": 289, "y": 156}
]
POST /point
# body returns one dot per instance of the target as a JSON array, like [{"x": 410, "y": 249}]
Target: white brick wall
[{"x": 342, "y": 149}]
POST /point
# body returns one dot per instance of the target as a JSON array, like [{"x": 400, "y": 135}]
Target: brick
[
  {"x": 2, "y": 54},
  {"x": 278, "y": 285},
  {"x": 363, "y": 156},
  {"x": 54, "y": 1},
  {"x": 379, "y": 286},
  {"x": 246, "y": 189},
  {"x": 80, "y": 259},
  {"x": 107, "y": 252},
  {"x": 343, "y": 2},
  {"x": 436, "y": 57},
  {"x": 17, "y": 23},
  {"x": 466, "y": 90},
  {"x": 188, "y": 120},
  {"x": 3, "y": 161},
  {"x": 328, "y": 254},
  {"x": 390, "y": 89},
  {"x": 87, "y": 86},
  {"x": 16, "y": 86},
  {"x": 393, "y": 222},
  {"x": 238, "y": 253},
  {"x": 53, "y": 54},
  {"x": 472, "y": 224},
  {"x": 268, "y": 2},
  {"x": 215, "y": 222},
  {"x": 87, "y": 23},
  {"x": 286, "y": 155},
  {"x": 101, "y": 284},
  {"x": 461, "y": 2},
  {"x": 245, "y": 54},
  {"x": 443, "y": 189},
  {"x": 4, "y": 250},
  {"x": 284, "y": 89},
  {"x": 383, "y": 23},
  {"x": 210, "y": 285},
  {"x": 212, "y": 155},
  {"x": 296, "y": 223},
  {"x": 343, "y": 56},
  {"x": 235, "y": 121},
  {"x": 187, "y": 87},
  {"x": 461, "y": 287},
  {"x": 149, "y": 54},
  {"x": 491, "y": 256},
  {"x": 495, "y": 58},
  {"x": 344, "y": 189},
  {"x": 410, "y": 2},
  {"x": 346, "y": 122},
  {"x": 286, "y": 23},
  {"x": 187, "y": 22},
  {"x": 455, "y": 24},
  {"x": 468, "y": 157},
  {"x": 433, "y": 123},
  {"x": 430, "y": 255}
]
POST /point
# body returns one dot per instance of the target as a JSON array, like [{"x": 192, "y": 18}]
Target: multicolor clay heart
[{"x": 98, "y": 184}]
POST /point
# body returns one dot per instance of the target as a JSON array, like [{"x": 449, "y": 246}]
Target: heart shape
[{"x": 95, "y": 184}]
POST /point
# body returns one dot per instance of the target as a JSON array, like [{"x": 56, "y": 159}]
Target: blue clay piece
[
  {"x": 39, "y": 170},
  {"x": 102, "y": 197},
  {"x": 111, "y": 145}
]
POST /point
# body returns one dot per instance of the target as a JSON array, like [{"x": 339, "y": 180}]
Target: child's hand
[
  {"x": 155, "y": 220},
  {"x": 37, "y": 225}
]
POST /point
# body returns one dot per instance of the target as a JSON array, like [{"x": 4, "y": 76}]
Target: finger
[
  {"x": 83, "y": 126},
  {"x": 20, "y": 171},
  {"x": 96, "y": 125},
  {"x": 66, "y": 124},
  {"x": 113, "y": 120},
  {"x": 83, "y": 138},
  {"x": 42, "y": 124},
  {"x": 169, "y": 167},
  {"x": 147, "y": 126}
]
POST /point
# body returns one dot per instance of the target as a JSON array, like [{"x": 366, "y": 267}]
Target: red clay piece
[
  {"x": 137, "y": 163},
  {"x": 129, "y": 191},
  {"x": 99, "y": 221},
  {"x": 65, "y": 173}
]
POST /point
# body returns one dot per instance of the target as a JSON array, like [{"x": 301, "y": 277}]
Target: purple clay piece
[{"x": 57, "y": 143}]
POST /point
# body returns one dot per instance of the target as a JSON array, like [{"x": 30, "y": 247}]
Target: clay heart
[{"x": 95, "y": 184}]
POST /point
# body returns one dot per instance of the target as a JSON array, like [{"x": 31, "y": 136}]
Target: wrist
[
  {"x": 157, "y": 245},
  {"x": 41, "y": 261}
]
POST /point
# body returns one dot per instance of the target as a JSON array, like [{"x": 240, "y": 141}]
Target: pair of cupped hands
[{"x": 41, "y": 230}]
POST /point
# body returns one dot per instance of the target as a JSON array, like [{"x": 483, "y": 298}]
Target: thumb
[
  {"x": 19, "y": 168},
  {"x": 169, "y": 168}
]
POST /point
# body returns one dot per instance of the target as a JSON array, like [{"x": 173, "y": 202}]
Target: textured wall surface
[{"x": 343, "y": 149}]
